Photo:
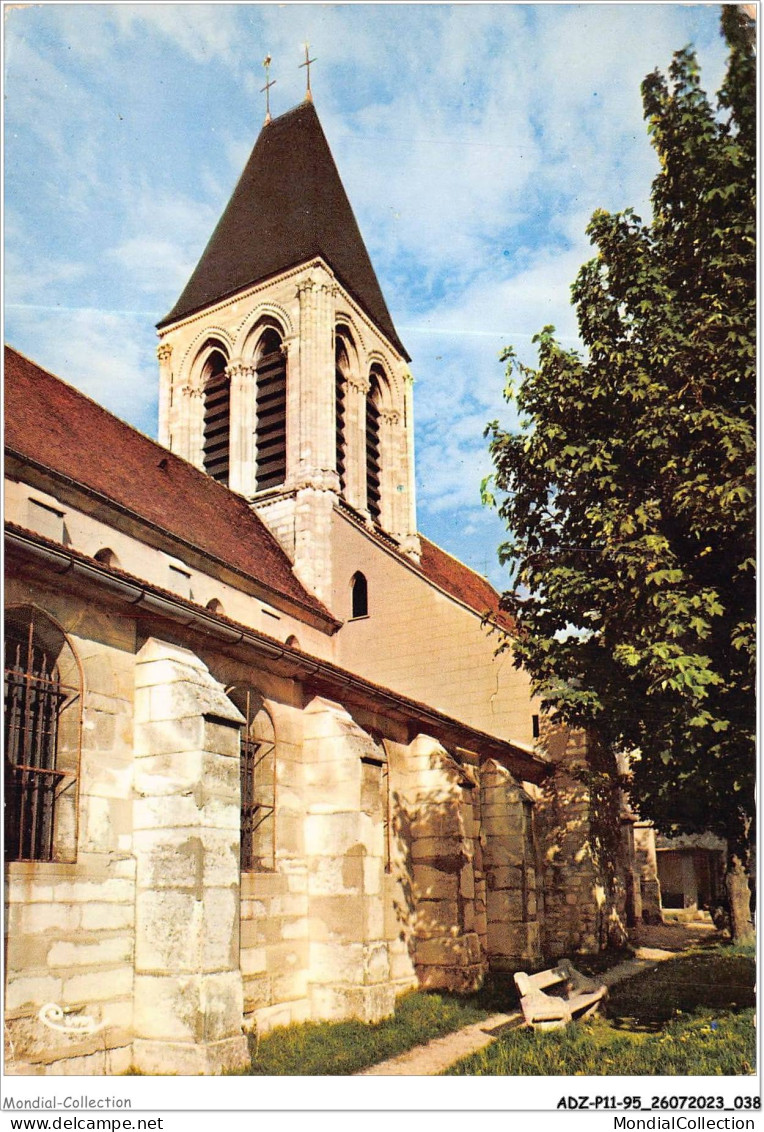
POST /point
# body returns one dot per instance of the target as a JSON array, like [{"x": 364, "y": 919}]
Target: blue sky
[{"x": 474, "y": 141}]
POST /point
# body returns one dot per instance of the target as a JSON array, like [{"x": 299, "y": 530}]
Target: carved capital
[
  {"x": 390, "y": 416},
  {"x": 190, "y": 391},
  {"x": 306, "y": 286},
  {"x": 359, "y": 383},
  {"x": 164, "y": 352},
  {"x": 239, "y": 368}
]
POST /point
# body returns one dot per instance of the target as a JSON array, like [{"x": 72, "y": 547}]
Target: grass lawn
[
  {"x": 328, "y": 1048},
  {"x": 689, "y": 1016}
]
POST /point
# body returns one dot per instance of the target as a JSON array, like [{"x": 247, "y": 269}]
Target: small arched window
[
  {"x": 373, "y": 450},
  {"x": 271, "y": 411},
  {"x": 359, "y": 591},
  {"x": 108, "y": 558},
  {"x": 217, "y": 412},
  {"x": 215, "y": 606},
  {"x": 42, "y": 738}
]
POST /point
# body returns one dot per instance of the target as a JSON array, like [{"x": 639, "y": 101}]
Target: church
[{"x": 264, "y": 762}]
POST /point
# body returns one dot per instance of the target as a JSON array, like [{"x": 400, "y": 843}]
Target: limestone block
[
  {"x": 191, "y": 1060},
  {"x": 31, "y": 991},
  {"x": 169, "y": 859},
  {"x": 168, "y": 930},
  {"x": 336, "y": 962},
  {"x": 257, "y": 993},
  {"x": 264, "y": 886},
  {"x": 436, "y": 918},
  {"x": 34, "y": 919},
  {"x": 290, "y": 839},
  {"x": 283, "y": 1014},
  {"x": 97, "y": 986},
  {"x": 504, "y": 906},
  {"x": 188, "y": 1008},
  {"x": 286, "y": 956},
  {"x": 431, "y": 883},
  {"x": 461, "y": 980},
  {"x": 332, "y": 834},
  {"x": 374, "y": 918},
  {"x": 436, "y": 849},
  {"x": 220, "y": 934},
  {"x": 337, "y": 917},
  {"x": 369, "y": 1004},
  {"x": 296, "y": 927},
  {"x": 291, "y": 986},
  {"x": 467, "y": 882},
  {"x": 444, "y": 951},
  {"x": 84, "y": 953},
  {"x": 373, "y": 876}
]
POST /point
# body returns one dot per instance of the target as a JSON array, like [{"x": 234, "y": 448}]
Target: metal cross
[
  {"x": 307, "y": 63},
  {"x": 267, "y": 88}
]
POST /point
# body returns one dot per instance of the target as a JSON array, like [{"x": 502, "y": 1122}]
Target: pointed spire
[
  {"x": 267, "y": 88},
  {"x": 307, "y": 63}
]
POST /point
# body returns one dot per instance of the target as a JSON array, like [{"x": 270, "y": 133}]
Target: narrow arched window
[
  {"x": 341, "y": 367},
  {"x": 217, "y": 413},
  {"x": 373, "y": 450},
  {"x": 42, "y": 735},
  {"x": 359, "y": 595},
  {"x": 271, "y": 411},
  {"x": 108, "y": 558},
  {"x": 258, "y": 783}
]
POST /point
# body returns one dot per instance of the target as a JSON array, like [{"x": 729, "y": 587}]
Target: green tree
[{"x": 629, "y": 491}]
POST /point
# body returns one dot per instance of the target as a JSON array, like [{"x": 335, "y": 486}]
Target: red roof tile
[
  {"x": 54, "y": 425},
  {"x": 462, "y": 583}
]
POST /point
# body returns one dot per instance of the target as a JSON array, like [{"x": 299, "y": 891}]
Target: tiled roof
[
  {"x": 462, "y": 582},
  {"x": 56, "y": 426},
  {"x": 288, "y": 207}
]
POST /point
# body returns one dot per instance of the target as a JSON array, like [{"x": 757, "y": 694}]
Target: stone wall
[
  {"x": 70, "y": 923},
  {"x": 437, "y": 835},
  {"x": 580, "y": 847},
  {"x": 513, "y": 938}
]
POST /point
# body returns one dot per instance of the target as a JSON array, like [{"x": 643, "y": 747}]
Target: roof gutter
[{"x": 144, "y": 597}]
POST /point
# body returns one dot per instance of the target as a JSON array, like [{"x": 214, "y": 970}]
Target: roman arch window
[
  {"x": 258, "y": 783},
  {"x": 43, "y": 705},
  {"x": 108, "y": 558},
  {"x": 359, "y": 596},
  {"x": 373, "y": 449},
  {"x": 271, "y": 411},
  {"x": 216, "y": 389}
]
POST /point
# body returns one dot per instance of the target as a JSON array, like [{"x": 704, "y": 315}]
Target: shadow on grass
[{"x": 704, "y": 980}]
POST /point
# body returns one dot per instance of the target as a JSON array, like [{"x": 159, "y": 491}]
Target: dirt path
[{"x": 652, "y": 944}]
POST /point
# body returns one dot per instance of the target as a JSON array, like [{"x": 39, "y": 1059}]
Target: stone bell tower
[{"x": 281, "y": 373}]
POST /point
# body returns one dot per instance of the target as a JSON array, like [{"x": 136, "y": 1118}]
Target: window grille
[
  {"x": 217, "y": 424},
  {"x": 271, "y": 412},
  {"x": 258, "y": 784},
  {"x": 37, "y": 785}
]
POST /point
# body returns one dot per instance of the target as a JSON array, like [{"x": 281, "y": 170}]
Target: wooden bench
[{"x": 580, "y": 997}]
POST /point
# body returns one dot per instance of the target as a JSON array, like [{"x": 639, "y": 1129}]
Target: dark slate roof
[
  {"x": 55, "y": 426},
  {"x": 288, "y": 207}
]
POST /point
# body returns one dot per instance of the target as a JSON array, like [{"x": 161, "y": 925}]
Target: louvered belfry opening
[
  {"x": 217, "y": 417},
  {"x": 271, "y": 412},
  {"x": 373, "y": 456},
  {"x": 340, "y": 378},
  {"x": 35, "y": 697}
]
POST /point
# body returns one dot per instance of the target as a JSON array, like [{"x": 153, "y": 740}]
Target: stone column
[
  {"x": 389, "y": 423},
  {"x": 316, "y": 375},
  {"x": 357, "y": 390},
  {"x": 164, "y": 354},
  {"x": 511, "y": 898},
  {"x": 241, "y": 455},
  {"x": 647, "y": 863},
  {"x": 188, "y": 1003},
  {"x": 441, "y": 850},
  {"x": 349, "y": 966}
]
